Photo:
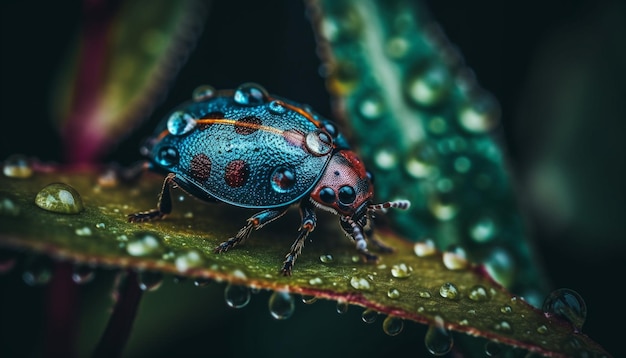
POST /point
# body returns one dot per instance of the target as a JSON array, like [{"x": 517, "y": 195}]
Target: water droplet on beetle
[
  {"x": 392, "y": 325},
  {"x": 37, "y": 271},
  {"x": 180, "y": 122},
  {"x": 281, "y": 305},
  {"x": 143, "y": 244},
  {"x": 567, "y": 304},
  {"x": 478, "y": 293},
  {"x": 401, "y": 270},
  {"x": 438, "y": 339},
  {"x": 360, "y": 283},
  {"x": 167, "y": 156},
  {"x": 369, "y": 315},
  {"x": 276, "y": 107},
  {"x": 82, "y": 274},
  {"x": 17, "y": 166},
  {"x": 425, "y": 248},
  {"x": 202, "y": 93},
  {"x": 448, "y": 290},
  {"x": 250, "y": 94},
  {"x": 59, "y": 198},
  {"x": 393, "y": 293},
  {"x": 282, "y": 179},
  {"x": 236, "y": 296},
  {"x": 327, "y": 258},
  {"x": 149, "y": 280}
]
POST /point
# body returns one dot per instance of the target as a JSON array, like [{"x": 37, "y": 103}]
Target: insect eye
[
  {"x": 347, "y": 194},
  {"x": 327, "y": 195}
]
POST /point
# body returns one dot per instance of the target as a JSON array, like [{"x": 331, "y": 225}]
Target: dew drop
[
  {"x": 59, "y": 198},
  {"x": 327, "y": 258},
  {"x": 462, "y": 164},
  {"x": 277, "y": 107},
  {"x": 307, "y": 299},
  {"x": 150, "y": 280},
  {"x": 82, "y": 274},
  {"x": 483, "y": 230},
  {"x": 167, "y": 156},
  {"x": 369, "y": 316},
  {"x": 567, "y": 304},
  {"x": 425, "y": 248},
  {"x": 449, "y": 291},
  {"x": 250, "y": 94},
  {"x": 442, "y": 207},
  {"x": 385, "y": 159},
  {"x": 455, "y": 259},
  {"x": 542, "y": 329},
  {"x": 282, "y": 179},
  {"x": 315, "y": 281},
  {"x": 281, "y": 305},
  {"x": 506, "y": 309},
  {"x": 438, "y": 339},
  {"x": 342, "y": 306},
  {"x": 392, "y": 326},
  {"x": 500, "y": 266},
  {"x": 203, "y": 93},
  {"x": 428, "y": 85},
  {"x": 83, "y": 231},
  {"x": 401, "y": 270},
  {"x": 37, "y": 271},
  {"x": 143, "y": 245},
  {"x": 493, "y": 349},
  {"x": 100, "y": 225},
  {"x": 188, "y": 260},
  {"x": 371, "y": 106},
  {"x": 393, "y": 293},
  {"x": 180, "y": 122},
  {"x": 480, "y": 116},
  {"x": 17, "y": 166},
  {"x": 360, "y": 283},
  {"x": 503, "y": 326},
  {"x": 318, "y": 142},
  {"x": 8, "y": 206},
  {"x": 424, "y": 293},
  {"x": 202, "y": 282},
  {"x": 236, "y": 296},
  {"x": 478, "y": 293}
]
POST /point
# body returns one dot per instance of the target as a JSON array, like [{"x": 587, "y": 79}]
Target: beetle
[{"x": 249, "y": 149}]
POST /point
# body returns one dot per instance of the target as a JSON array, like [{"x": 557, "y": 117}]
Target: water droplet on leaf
[
  {"x": 369, "y": 316},
  {"x": 393, "y": 325},
  {"x": 281, "y": 305},
  {"x": 17, "y": 166},
  {"x": 449, "y": 291},
  {"x": 149, "y": 280},
  {"x": 60, "y": 198},
  {"x": 567, "y": 304},
  {"x": 401, "y": 270},
  {"x": 236, "y": 296},
  {"x": 438, "y": 340}
]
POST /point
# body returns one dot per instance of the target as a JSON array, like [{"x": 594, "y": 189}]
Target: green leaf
[{"x": 402, "y": 285}]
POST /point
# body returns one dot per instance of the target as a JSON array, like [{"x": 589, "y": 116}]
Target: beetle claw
[{"x": 144, "y": 216}]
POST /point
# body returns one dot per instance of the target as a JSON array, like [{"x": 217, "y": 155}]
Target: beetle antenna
[{"x": 397, "y": 204}]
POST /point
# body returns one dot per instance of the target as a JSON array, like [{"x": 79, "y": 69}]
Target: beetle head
[{"x": 344, "y": 186}]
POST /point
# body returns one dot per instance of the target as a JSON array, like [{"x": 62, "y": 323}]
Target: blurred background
[{"x": 558, "y": 69}]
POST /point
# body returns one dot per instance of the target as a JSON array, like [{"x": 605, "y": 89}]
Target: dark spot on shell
[
  {"x": 247, "y": 125},
  {"x": 237, "y": 173},
  {"x": 200, "y": 167}
]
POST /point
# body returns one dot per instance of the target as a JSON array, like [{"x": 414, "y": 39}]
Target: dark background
[{"x": 524, "y": 53}]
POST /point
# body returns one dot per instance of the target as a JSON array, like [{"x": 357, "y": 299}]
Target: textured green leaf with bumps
[{"x": 431, "y": 288}]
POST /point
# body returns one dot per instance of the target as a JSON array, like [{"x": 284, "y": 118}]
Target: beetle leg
[
  {"x": 356, "y": 233},
  {"x": 164, "y": 205},
  {"x": 256, "y": 222},
  {"x": 309, "y": 220},
  {"x": 368, "y": 230}
]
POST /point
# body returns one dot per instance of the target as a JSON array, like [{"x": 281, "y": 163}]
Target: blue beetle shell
[{"x": 263, "y": 154}]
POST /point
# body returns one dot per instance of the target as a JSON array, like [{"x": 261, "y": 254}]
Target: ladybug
[{"x": 249, "y": 149}]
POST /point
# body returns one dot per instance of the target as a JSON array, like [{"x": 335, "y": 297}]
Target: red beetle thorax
[{"x": 344, "y": 186}]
